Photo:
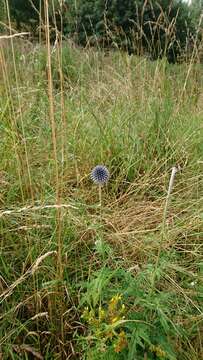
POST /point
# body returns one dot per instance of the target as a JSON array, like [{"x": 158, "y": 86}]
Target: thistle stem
[{"x": 100, "y": 195}]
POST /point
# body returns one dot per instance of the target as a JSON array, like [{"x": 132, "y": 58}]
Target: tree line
[{"x": 156, "y": 28}]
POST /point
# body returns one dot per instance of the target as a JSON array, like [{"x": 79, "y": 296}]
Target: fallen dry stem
[
  {"x": 13, "y": 35},
  {"x": 31, "y": 208}
]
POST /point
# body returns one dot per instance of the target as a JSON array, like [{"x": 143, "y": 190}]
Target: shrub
[{"x": 160, "y": 28}]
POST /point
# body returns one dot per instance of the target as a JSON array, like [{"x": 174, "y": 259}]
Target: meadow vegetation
[{"x": 80, "y": 281}]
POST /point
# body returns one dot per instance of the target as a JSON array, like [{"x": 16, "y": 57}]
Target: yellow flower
[
  {"x": 85, "y": 313},
  {"x": 102, "y": 314},
  {"x": 115, "y": 319},
  {"x": 114, "y": 302},
  {"x": 121, "y": 343},
  {"x": 123, "y": 308},
  {"x": 158, "y": 351}
]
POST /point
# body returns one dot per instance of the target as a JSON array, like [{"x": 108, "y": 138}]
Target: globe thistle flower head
[{"x": 100, "y": 175}]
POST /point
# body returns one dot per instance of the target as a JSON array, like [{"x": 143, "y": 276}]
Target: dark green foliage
[
  {"x": 160, "y": 28},
  {"x": 24, "y": 13},
  {"x": 2, "y": 14},
  {"x": 29, "y": 13},
  {"x": 154, "y": 28}
]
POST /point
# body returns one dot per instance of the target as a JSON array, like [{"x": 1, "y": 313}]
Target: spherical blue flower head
[{"x": 100, "y": 174}]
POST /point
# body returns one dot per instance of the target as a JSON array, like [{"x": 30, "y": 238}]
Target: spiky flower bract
[{"x": 100, "y": 174}]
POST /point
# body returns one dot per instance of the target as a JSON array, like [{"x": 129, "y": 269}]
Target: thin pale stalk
[
  {"x": 20, "y": 105},
  {"x": 15, "y": 135},
  {"x": 54, "y": 139},
  {"x": 170, "y": 187},
  {"x": 163, "y": 232},
  {"x": 57, "y": 181}
]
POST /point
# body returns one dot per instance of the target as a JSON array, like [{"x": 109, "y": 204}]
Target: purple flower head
[{"x": 100, "y": 175}]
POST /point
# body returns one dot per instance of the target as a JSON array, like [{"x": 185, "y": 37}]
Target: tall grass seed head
[{"x": 100, "y": 175}]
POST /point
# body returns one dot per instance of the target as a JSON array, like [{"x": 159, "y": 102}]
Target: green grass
[{"x": 139, "y": 118}]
